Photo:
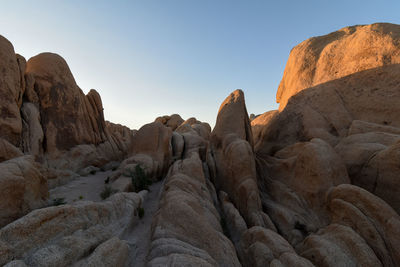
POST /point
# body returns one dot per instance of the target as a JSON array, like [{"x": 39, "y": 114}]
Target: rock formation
[
  {"x": 336, "y": 125},
  {"x": 22, "y": 187},
  {"x": 46, "y": 115},
  {"x": 11, "y": 91},
  {"x": 336, "y": 55},
  {"x": 315, "y": 183},
  {"x": 68, "y": 117},
  {"x": 232, "y": 149},
  {"x": 64, "y": 235}
]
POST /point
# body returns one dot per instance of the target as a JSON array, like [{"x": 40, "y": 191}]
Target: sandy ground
[
  {"x": 83, "y": 188},
  {"x": 138, "y": 236}
]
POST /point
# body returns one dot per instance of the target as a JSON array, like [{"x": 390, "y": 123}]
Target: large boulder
[
  {"x": 186, "y": 229},
  {"x": 333, "y": 56},
  {"x": 152, "y": 149},
  {"x": 68, "y": 117},
  {"x": 11, "y": 91},
  {"x": 193, "y": 125},
  {"x": 259, "y": 123},
  {"x": 83, "y": 233},
  {"x": 294, "y": 185},
  {"x": 381, "y": 175},
  {"x": 327, "y": 110},
  {"x": 364, "y": 231},
  {"x": 263, "y": 247},
  {"x": 22, "y": 187},
  {"x": 172, "y": 121},
  {"x": 338, "y": 245},
  {"x": 121, "y": 135},
  {"x": 325, "y": 104},
  {"x": 232, "y": 118},
  {"x": 371, "y": 155},
  {"x": 232, "y": 149}
]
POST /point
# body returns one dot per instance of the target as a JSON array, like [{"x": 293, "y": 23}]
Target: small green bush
[
  {"x": 107, "y": 191},
  {"x": 81, "y": 197},
  {"x": 59, "y": 201},
  {"x": 141, "y": 212},
  {"x": 140, "y": 181}
]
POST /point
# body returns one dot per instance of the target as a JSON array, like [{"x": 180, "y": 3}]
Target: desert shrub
[
  {"x": 141, "y": 212},
  {"x": 81, "y": 197},
  {"x": 59, "y": 201},
  {"x": 140, "y": 180},
  {"x": 224, "y": 227},
  {"x": 107, "y": 191}
]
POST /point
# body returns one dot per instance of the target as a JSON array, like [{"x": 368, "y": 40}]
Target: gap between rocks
[{"x": 138, "y": 235}]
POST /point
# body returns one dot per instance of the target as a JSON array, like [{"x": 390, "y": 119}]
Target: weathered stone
[
  {"x": 68, "y": 117},
  {"x": 294, "y": 184},
  {"x": 112, "y": 253},
  {"x": 154, "y": 140},
  {"x": 235, "y": 170},
  {"x": 8, "y": 151},
  {"x": 32, "y": 136},
  {"x": 187, "y": 225},
  {"x": 330, "y": 57},
  {"x": 172, "y": 121},
  {"x": 22, "y": 188},
  {"x": 260, "y": 123},
  {"x": 62, "y": 235},
  {"x": 338, "y": 245},
  {"x": 260, "y": 247},
  {"x": 11, "y": 91},
  {"x": 370, "y": 217}
]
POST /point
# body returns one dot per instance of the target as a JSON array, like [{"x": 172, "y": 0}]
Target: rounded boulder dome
[
  {"x": 349, "y": 50},
  {"x": 51, "y": 67}
]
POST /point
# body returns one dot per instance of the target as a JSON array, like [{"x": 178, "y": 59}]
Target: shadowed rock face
[
  {"x": 153, "y": 141},
  {"x": 172, "y": 121},
  {"x": 22, "y": 187},
  {"x": 63, "y": 235},
  {"x": 232, "y": 148},
  {"x": 258, "y": 124},
  {"x": 68, "y": 117},
  {"x": 11, "y": 91}
]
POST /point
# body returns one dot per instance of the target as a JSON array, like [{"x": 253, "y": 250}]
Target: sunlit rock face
[{"x": 326, "y": 58}]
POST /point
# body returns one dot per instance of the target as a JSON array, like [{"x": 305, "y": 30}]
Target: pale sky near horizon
[{"x": 158, "y": 57}]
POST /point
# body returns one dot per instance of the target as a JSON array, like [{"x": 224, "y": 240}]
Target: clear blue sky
[{"x": 149, "y": 58}]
